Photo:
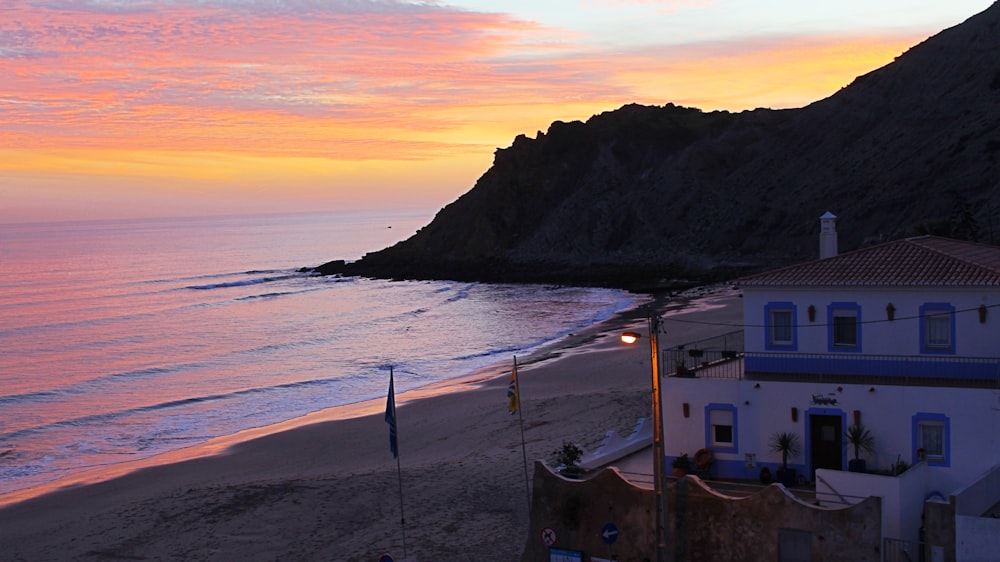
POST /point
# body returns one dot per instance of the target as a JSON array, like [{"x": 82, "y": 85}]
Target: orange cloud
[
  {"x": 776, "y": 72},
  {"x": 317, "y": 98}
]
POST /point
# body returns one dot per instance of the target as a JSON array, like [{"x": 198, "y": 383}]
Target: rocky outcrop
[{"x": 643, "y": 194}]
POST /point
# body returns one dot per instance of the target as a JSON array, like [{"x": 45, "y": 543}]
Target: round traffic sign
[{"x": 549, "y": 536}]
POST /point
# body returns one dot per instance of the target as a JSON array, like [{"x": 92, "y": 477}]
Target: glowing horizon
[{"x": 114, "y": 109}]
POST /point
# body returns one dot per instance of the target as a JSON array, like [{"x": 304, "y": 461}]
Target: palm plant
[
  {"x": 859, "y": 437},
  {"x": 862, "y": 440},
  {"x": 786, "y": 443}
]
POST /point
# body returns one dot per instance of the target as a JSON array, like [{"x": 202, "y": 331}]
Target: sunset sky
[{"x": 115, "y": 108}]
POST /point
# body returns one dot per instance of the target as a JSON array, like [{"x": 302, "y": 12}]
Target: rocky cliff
[{"x": 642, "y": 194}]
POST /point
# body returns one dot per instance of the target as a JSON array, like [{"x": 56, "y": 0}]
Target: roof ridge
[{"x": 969, "y": 259}]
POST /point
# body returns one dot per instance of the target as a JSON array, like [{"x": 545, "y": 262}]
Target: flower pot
[
  {"x": 857, "y": 465},
  {"x": 787, "y": 476},
  {"x": 765, "y": 475}
]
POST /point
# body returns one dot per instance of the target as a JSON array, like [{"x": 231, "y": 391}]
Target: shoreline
[
  {"x": 332, "y": 472},
  {"x": 220, "y": 445}
]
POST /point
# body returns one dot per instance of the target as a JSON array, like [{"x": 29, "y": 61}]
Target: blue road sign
[{"x": 609, "y": 534}]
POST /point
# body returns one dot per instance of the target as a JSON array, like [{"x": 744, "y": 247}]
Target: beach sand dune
[{"x": 331, "y": 490}]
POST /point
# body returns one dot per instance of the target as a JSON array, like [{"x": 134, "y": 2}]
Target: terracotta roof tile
[{"x": 925, "y": 261}]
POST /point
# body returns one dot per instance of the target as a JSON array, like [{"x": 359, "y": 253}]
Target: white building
[{"x": 902, "y": 337}]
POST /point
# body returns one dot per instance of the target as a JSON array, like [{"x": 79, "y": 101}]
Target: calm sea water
[{"x": 120, "y": 340}]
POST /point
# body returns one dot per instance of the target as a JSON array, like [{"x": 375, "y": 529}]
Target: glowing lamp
[{"x": 630, "y": 337}]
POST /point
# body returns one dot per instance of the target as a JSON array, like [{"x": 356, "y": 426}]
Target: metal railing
[
  {"x": 723, "y": 357},
  {"x": 898, "y": 550},
  {"x": 716, "y": 357}
]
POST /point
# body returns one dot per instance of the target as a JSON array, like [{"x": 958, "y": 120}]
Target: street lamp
[{"x": 654, "y": 357}]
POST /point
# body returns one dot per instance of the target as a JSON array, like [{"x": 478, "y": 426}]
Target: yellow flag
[{"x": 513, "y": 393}]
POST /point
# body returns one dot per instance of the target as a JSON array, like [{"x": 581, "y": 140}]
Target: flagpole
[
  {"x": 402, "y": 517},
  {"x": 524, "y": 452},
  {"x": 390, "y": 418}
]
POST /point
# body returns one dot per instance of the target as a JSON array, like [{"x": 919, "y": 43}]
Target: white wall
[
  {"x": 979, "y": 496},
  {"x": 898, "y": 337},
  {"x": 902, "y": 496},
  {"x": 977, "y": 539},
  {"x": 973, "y": 414}
]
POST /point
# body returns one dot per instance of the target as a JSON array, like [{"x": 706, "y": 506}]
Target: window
[
  {"x": 939, "y": 331},
  {"x": 720, "y": 427},
  {"x": 930, "y": 439},
  {"x": 779, "y": 326},
  {"x": 937, "y": 328},
  {"x": 845, "y": 326}
]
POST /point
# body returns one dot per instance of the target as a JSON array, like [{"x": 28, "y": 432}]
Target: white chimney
[{"x": 827, "y": 235}]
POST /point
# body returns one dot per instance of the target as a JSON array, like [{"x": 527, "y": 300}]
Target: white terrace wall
[
  {"x": 979, "y": 496},
  {"x": 902, "y": 496},
  {"x": 977, "y": 537},
  {"x": 879, "y": 336}
]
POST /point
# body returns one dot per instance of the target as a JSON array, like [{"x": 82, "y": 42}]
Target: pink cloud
[
  {"x": 173, "y": 74},
  {"x": 347, "y": 79}
]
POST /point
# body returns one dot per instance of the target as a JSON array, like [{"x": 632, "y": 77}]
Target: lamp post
[{"x": 654, "y": 357}]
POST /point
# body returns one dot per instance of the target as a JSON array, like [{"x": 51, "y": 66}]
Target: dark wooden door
[{"x": 826, "y": 442}]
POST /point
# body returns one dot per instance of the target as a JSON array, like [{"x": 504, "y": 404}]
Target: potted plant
[
  {"x": 682, "y": 370},
  {"x": 681, "y": 465},
  {"x": 786, "y": 443},
  {"x": 566, "y": 458},
  {"x": 859, "y": 437}
]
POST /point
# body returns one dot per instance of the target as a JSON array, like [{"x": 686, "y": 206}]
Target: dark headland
[{"x": 645, "y": 197}]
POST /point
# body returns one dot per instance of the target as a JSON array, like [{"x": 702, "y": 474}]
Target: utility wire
[{"x": 822, "y": 325}]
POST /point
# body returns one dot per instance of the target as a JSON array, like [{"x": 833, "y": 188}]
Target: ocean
[{"x": 121, "y": 340}]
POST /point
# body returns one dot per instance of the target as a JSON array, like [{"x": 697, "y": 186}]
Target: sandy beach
[{"x": 326, "y": 487}]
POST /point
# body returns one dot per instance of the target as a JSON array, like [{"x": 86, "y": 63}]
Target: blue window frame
[
  {"x": 721, "y": 428},
  {"x": 843, "y": 321},
  {"x": 932, "y": 436},
  {"x": 937, "y": 328},
  {"x": 781, "y": 326}
]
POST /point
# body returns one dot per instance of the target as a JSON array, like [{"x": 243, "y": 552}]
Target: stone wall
[
  {"x": 703, "y": 524},
  {"x": 939, "y": 526},
  {"x": 712, "y": 526},
  {"x": 577, "y": 511}
]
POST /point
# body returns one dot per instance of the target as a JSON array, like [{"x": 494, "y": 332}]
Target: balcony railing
[
  {"x": 723, "y": 357},
  {"x": 719, "y": 357}
]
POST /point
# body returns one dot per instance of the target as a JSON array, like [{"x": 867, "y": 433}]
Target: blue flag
[{"x": 390, "y": 418}]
